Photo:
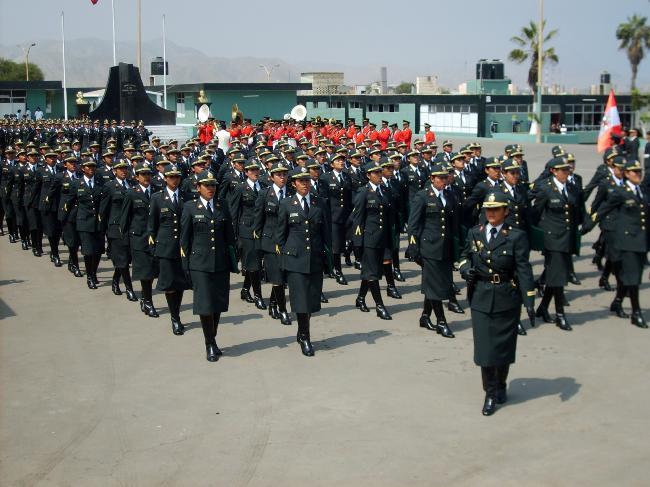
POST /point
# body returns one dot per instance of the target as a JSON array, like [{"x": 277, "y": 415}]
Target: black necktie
[
  {"x": 241, "y": 177},
  {"x": 305, "y": 205},
  {"x": 638, "y": 193},
  {"x": 255, "y": 190},
  {"x": 564, "y": 193},
  {"x": 493, "y": 234},
  {"x": 124, "y": 184},
  {"x": 146, "y": 193},
  {"x": 174, "y": 199},
  {"x": 90, "y": 184},
  {"x": 281, "y": 195},
  {"x": 209, "y": 207}
]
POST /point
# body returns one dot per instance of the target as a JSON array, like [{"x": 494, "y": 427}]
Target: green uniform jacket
[{"x": 628, "y": 214}]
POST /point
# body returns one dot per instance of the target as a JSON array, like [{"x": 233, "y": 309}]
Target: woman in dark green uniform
[
  {"x": 267, "y": 208},
  {"x": 302, "y": 235},
  {"x": 133, "y": 222},
  {"x": 499, "y": 279},
  {"x": 207, "y": 247}
]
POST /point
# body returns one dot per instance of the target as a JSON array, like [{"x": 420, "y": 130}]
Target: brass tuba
[{"x": 236, "y": 115}]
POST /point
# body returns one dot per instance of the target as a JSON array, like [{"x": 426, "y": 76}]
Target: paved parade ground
[{"x": 95, "y": 393}]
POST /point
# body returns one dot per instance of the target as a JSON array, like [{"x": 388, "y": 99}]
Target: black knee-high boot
[
  {"x": 336, "y": 258},
  {"x": 442, "y": 328},
  {"x": 560, "y": 318},
  {"x": 380, "y": 309},
  {"x": 147, "y": 298},
  {"x": 361, "y": 297},
  {"x": 209, "y": 332},
  {"x": 126, "y": 277},
  {"x": 89, "y": 265},
  {"x": 115, "y": 282},
  {"x": 281, "y": 300},
  {"x": 36, "y": 243},
  {"x": 391, "y": 290},
  {"x": 73, "y": 262},
  {"x": 96, "y": 260},
  {"x": 425, "y": 319},
  {"x": 256, "y": 283},
  {"x": 303, "y": 336}
]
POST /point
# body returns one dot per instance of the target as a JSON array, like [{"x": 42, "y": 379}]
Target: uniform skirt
[
  {"x": 170, "y": 275},
  {"x": 51, "y": 225},
  {"x": 211, "y": 292},
  {"x": 70, "y": 235},
  {"x": 338, "y": 238},
  {"x": 9, "y": 208},
  {"x": 305, "y": 291},
  {"x": 631, "y": 267},
  {"x": 251, "y": 259},
  {"x": 557, "y": 266},
  {"x": 372, "y": 263},
  {"x": 437, "y": 279},
  {"x": 274, "y": 273},
  {"x": 612, "y": 254},
  {"x": 92, "y": 243},
  {"x": 495, "y": 337},
  {"x": 145, "y": 265},
  {"x": 34, "y": 219},
  {"x": 120, "y": 251},
  {"x": 20, "y": 215}
]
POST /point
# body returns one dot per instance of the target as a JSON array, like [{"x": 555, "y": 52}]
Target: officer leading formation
[{"x": 286, "y": 203}]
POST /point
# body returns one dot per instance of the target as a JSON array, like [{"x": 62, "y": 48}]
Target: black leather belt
[{"x": 495, "y": 278}]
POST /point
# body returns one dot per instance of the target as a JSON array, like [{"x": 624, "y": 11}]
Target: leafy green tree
[
  {"x": 528, "y": 43},
  {"x": 11, "y": 71},
  {"x": 404, "y": 88},
  {"x": 634, "y": 36}
]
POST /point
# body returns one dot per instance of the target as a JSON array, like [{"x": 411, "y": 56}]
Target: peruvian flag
[
  {"x": 610, "y": 125},
  {"x": 94, "y": 2}
]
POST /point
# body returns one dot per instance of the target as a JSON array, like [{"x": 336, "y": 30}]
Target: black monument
[{"x": 126, "y": 99}]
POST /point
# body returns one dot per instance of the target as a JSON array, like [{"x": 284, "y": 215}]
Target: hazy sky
[{"x": 431, "y": 35}]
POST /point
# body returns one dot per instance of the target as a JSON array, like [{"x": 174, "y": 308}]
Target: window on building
[
  {"x": 588, "y": 116},
  {"x": 355, "y": 104},
  {"x": 450, "y": 118},
  {"x": 335, "y": 104},
  {"x": 180, "y": 104}
]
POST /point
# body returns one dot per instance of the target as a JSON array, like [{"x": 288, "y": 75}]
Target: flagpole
[
  {"x": 65, "y": 91},
  {"x": 540, "y": 62},
  {"x": 164, "y": 64},
  {"x": 140, "y": 36},
  {"x": 113, "y": 15}
]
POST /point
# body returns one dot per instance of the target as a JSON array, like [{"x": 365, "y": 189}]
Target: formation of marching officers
[{"x": 191, "y": 216}]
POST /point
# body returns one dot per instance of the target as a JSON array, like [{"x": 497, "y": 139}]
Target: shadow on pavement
[{"x": 522, "y": 390}]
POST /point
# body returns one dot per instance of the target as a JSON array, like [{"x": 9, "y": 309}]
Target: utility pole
[
  {"x": 139, "y": 53},
  {"x": 26, "y": 51}
]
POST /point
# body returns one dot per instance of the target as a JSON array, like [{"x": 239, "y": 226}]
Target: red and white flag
[
  {"x": 94, "y": 2},
  {"x": 610, "y": 124}
]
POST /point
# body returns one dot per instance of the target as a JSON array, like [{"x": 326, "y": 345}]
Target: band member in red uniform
[
  {"x": 406, "y": 133},
  {"x": 366, "y": 128},
  {"x": 352, "y": 129},
  {"x": 429, "y": 136},
  {"x": 383, "y": 135}
]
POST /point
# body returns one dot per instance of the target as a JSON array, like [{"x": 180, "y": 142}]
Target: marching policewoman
[
  {"x": 499, "y": 279},
  {"x": 207, "y": 244},
  {"x": 302, "y": 236}
]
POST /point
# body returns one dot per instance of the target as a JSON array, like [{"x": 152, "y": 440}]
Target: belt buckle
[{"x": 496, "y": 279}]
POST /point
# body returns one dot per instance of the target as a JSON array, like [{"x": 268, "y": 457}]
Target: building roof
[
  {"x": 30, "y": 85},
  {"x": 237, "y": 87}
]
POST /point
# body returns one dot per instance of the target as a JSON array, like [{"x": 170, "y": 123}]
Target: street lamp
[
  {"x": 269, "y": 70},
  {"x": 26, "y": 51}
]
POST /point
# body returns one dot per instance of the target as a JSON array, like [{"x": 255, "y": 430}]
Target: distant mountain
[{"x": 88, "y": 60}]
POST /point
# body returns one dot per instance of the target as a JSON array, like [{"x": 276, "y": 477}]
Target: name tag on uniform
[
  {"x": 291, "y": 215},
  {"x": 165, "y": 210},
  {"x": 555, "y": 201},
  {"x": 199, "y": 217},
  {"x": 431, "y": 204},
  {"x": 270, "y": 203}
]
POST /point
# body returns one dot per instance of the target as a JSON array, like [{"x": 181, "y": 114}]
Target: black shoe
[
  {"x": 425, "y": 322},
  {"x": 382, "y": 312},
  {"x": 130, "y": 295},
  {"x": 323, "y": 299},
  {"x": 573, "y": 279},
  {"x": 442, "y": 328},
  {"x": 71, "y": 267},
  {"x": 306, "y": 346},
  {"x": 357, "y": 265},
  {"x": 638, "y": 320},
  {"x": 211, "y": 353},
  {"x": 25, "y": 245},
  {"x": 36, "y": 252},
  {"x": 617, "y": 307},
  {"x": 142, "y": 308},
  {"x": 455, "y": 288},
  {"x": 77, "y": 272},
  {"x": 489, "y": 406},
  {"x": 246, "y": 296},
  {"x": 501, "y": 396},
  {"x": 51, "y": 257},
  {"x": 273, "y": 310},
  {"x": 348, "y": 261},
  {"x": 361, "y": 304},
  {"x": 91, "y": 284},
  {"x": 543, "y": 314},
  {"x": 285, "y": 319},
  {"x": 150, "y": 310},
  {"x": 57, "y": 261},
  {"x": 95, "y": 280},
  {"x": 12, "y": 238},
  {"x": 340, "y": 278},
  {"x": 604, "y": 283},
  {"x": 393, "y": 292},
  {"x": 259, "y": 302},
  {"x": 521, "y": 330},
  {"x": 454, "y": 307},
  {"x": 115, "y": 287},
  {"x": 177, "y": 327},
  {"x": 397, "y": 274},
  {"x": 561, "y": 322}
]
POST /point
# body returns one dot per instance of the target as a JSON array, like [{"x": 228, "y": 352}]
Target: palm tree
[
  {"x": 634, "y": 36},
  {"x": 528, "y": 49}
]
